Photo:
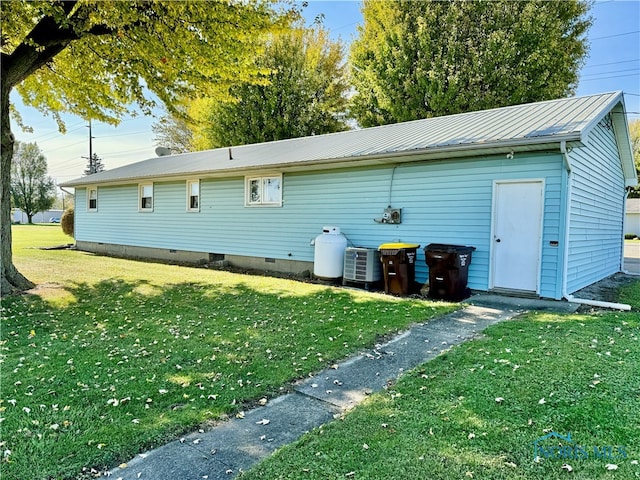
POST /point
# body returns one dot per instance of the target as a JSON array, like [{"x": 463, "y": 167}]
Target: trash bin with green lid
[
  {"x": 398, "y": 266},
  {"x": 448, "y": 270}
]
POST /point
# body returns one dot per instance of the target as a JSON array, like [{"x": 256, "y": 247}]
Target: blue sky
[{"x": 613, "y": 64}]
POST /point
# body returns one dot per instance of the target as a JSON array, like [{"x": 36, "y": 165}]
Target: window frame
[
  {"x": 189, "y": 183},
  {"x": 250, "y": 179},
  {"x": 89, "y": 190},
  {"x": 141, "y": 187}
]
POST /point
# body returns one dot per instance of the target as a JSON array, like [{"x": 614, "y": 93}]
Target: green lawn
[
  {"x": 476, "y": 411},
  {"x": 110, "y": 357}
]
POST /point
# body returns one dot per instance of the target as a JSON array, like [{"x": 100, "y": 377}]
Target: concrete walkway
[{"x": 239, "y": 443}]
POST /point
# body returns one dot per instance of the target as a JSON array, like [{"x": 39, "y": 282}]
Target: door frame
[{"x": 492, "y": 258}]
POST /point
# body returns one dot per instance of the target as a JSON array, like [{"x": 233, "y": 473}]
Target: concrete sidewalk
[{"x": 239, "y": 443}]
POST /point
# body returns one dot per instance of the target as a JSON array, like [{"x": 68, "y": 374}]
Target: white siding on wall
[{"x": 596, "y": 210}]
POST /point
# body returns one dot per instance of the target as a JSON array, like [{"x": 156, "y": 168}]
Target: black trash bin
[
  {"x": 398, "y": 267},
  {"x": 448, "y": 270}
]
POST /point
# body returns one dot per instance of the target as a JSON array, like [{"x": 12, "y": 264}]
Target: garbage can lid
[{"x": 393, "y": 246}]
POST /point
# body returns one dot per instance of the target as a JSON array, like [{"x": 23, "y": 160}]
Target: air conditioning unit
[{"x": 362, "y": 265}]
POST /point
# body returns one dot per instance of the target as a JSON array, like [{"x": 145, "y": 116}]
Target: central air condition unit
[{"x": 362, "y": 265}]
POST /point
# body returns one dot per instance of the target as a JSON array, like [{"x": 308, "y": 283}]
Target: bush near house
[{"x": 67, "y": 221}]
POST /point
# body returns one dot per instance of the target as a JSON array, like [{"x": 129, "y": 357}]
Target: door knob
[{"x": 497, "y": 240}]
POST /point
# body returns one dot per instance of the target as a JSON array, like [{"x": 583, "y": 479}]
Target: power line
[
  {"x": 614, "y": 76},
  {"x": 615, "y": 35},
  {"x": 612, "y": 71},
  {"x": 611, "y": 63}
]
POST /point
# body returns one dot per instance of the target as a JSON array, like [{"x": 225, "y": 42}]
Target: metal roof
[{"x": 530, "y": 126}]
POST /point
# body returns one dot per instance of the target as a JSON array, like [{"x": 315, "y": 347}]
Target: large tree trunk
[{"x": 12, "y": 280}]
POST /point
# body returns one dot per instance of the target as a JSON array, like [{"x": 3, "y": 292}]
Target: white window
[
  {"x": 193, "y": 195},
  {"x": 145, "y": 201},
  {"x": 265, "y": 191},
  {"x": 92, "y": 199}
]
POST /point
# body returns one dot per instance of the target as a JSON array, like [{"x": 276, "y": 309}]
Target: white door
[{"x": 517, "y": 235}]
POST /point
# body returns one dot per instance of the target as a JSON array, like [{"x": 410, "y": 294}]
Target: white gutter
[{"x": 565, "y": 294}]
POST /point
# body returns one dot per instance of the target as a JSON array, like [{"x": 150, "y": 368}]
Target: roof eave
[{"x": 423, "y": 154}]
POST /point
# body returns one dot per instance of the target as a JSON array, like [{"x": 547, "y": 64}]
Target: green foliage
[
  {"x": 305, "y": 93},
  {"x": 423, "y": 59},
  {"x": 32, "y": 190},
  {"x": 120, "y": 356},
  {"x": 67, "y": 221},
  {"x": 110, "y": 53}
]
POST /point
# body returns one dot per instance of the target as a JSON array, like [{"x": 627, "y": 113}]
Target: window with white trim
[
  {"x": 145, "y": 197},
  {"x": 92, "y": 199},
  {"x": 193, "y": 195},
  {"x": 263, "y": 191}
]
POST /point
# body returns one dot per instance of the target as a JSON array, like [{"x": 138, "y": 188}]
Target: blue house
[{"x": 538, "y": 189}]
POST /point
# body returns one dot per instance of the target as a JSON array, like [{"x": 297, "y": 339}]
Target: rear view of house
[{"x": 539, "y": 190}]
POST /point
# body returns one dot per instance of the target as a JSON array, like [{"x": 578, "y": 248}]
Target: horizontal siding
[
  {"x": 441, "y": 201},
  {"x": 597, "y": 203}
]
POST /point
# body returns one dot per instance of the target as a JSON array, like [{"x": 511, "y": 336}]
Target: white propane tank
[{"x": 328, "y": 259}]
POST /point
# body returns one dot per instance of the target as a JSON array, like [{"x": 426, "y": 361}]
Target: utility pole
[{"x": 92, "y": 167}]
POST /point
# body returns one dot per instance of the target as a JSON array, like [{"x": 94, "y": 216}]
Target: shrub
[
  {"x": 630, "y": 236},
  {"x": 66, "y": 221}
]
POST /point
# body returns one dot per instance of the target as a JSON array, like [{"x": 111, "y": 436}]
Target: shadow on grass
[{"x": 96, "y": 373}]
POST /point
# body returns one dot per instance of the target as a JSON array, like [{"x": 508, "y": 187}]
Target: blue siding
[
  {"x": 597, "y": 204},
  {"x": 442, "y": 202}
]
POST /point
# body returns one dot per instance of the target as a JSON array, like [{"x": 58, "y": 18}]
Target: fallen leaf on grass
[
  {"x": 611, "y": 466},
  {"x": 499, "y": 399},
  {"x": 567, "y": 467}
]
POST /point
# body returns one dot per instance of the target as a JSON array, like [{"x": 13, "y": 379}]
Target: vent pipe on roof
[
  {"x": 163, "y": 151},
  {"x": 230, "y": 156}
]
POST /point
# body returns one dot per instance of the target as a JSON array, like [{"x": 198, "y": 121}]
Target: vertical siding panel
[{"x": 597, "y": 202}]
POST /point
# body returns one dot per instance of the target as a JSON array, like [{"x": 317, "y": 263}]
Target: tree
[
  {"x": 424, "y": 59},
  {"x": 95, "y": 165},
  {"x": 32, "y": 190},
  {"x": 97, "y": 59},
  {"x": 174, "y": 133},
  {"x": 306, "y": 93},
  {"x": 184, "y": 132},
  {"x": 634, "y": 133}
]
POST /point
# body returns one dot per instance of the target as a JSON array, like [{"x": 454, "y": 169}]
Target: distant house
[
  {"x": 632, "y": 217},
  {"x": 538, "y": 189},
  {"x": 18, "y": 216}
]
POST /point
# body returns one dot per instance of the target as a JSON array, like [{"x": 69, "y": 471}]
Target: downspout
[{"x": 565, "y": 268}]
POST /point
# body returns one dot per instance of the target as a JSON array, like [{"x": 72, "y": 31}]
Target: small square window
[
  {"x": 193, "y": 195},
  {"x": 146, "y": 197},
  {"x": 92, "y": 199}
]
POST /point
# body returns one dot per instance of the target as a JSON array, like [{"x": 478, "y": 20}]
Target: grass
[
  {"x": 475, "y": 411},
  {"x": 110, "y": 357}
]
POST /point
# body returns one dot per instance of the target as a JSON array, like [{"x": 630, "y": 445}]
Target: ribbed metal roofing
[{"x": 568, "y": 119}]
